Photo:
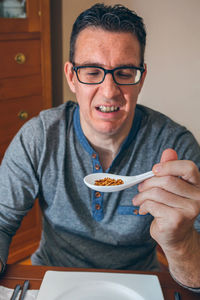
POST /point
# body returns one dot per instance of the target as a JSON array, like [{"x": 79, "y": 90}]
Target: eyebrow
[{"x": 89, "y": 63}]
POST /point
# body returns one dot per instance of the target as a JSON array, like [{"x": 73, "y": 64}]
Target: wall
[
  {"x": 172, "y": 55},
  {"x": 70, "y": 11}
]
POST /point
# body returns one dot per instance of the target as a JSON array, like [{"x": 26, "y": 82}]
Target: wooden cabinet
[{"x": 25, "y": 90}]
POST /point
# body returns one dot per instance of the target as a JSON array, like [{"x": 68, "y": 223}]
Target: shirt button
[
  {"x": 97, "y": 167},
  {"x": 97, "y": 194},
  {"x": 97, "y": 206},
  {"x": 136, "y": 212},
  {"x": 94, "y": 155}
]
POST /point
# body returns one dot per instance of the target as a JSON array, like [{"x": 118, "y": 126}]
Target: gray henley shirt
[{"x": 48, "y": 159}]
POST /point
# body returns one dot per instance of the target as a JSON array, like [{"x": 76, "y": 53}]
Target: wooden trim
[
  {"x": 46, "y": 52},
  {"x": 19, "y": 36}
]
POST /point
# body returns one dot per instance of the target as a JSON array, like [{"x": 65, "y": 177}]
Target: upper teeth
[{"x": 108, "y": 108}]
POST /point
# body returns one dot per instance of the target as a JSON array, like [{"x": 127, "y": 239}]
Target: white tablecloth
[{"x": 5, "y": 294}]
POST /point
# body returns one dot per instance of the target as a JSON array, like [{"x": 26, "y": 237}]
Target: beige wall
[
  {"x": 172, "y": 55},
  {"x": 70, "y": 10}
]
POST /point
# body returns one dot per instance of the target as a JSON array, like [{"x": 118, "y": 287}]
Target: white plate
[
  {"x": 98, "y": 290},
  {"x": 62, "y": 285}
]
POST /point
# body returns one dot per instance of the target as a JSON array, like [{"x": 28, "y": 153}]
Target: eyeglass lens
[{"x": 95, "y": 75}]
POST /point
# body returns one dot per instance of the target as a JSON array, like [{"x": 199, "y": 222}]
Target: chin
[{"x": 107, "y": 131}]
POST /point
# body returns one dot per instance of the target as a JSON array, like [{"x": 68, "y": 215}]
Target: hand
[{"x": 172, "y": 197}]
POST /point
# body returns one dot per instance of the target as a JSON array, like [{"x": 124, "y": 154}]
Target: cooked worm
[{"x": 108, "y": 181}]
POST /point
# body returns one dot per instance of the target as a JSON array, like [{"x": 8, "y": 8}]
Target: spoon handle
[{"x": 144, "y": 176}]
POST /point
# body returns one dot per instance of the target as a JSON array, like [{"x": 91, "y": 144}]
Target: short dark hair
[{"x": 117, "y": 18}]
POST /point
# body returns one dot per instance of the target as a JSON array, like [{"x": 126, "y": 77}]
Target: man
[{"x": 106, "y": 131}]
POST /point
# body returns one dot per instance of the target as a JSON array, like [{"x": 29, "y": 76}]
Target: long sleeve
[{"x": 18, "y": 185}]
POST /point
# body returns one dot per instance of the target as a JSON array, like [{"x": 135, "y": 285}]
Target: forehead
[{"x": 94, "y": 45}]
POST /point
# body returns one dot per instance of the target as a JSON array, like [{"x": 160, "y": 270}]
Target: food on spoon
[{"x": 108, "y": 181}]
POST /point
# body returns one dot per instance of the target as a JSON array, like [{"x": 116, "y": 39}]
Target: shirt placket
[{"x": 97, "y": 197}]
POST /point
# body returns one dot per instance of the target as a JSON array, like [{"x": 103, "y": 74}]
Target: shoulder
[
  {"x": 158, "y": 123},
  {"x": 50, "y": 118},
  {"x": 41, "y": 131},
  {"x": 49, "y": 124},
  {"x": 57, "y": 114},
  {"x": 161, "y": 132}
]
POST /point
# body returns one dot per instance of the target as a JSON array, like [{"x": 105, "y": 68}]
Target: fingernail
[{"x": 157, "y": 168}]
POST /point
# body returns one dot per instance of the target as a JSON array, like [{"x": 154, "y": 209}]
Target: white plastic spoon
[{"x": 129, "y": 181}]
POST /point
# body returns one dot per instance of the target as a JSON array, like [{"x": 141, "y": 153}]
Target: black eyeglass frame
[{"x": 107, "y": 71}]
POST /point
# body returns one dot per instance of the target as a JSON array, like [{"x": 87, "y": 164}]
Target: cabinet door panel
[
  {"x": 10, "y": 121},
  {"x": 20, "y": 58},
  {"x": 20, "y": 87},
  {"x": 3, "y": 147}
]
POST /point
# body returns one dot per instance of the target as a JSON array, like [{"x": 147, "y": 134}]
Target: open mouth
[{"x": 107, "y": 109}]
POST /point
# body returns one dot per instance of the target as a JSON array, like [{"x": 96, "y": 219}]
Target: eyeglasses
[{"x": 121, "y": 75}]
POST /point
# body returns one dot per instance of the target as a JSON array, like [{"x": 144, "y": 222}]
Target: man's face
[{"x": 109, "y": 50}]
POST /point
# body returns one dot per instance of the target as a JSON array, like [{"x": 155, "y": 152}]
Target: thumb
[
  {"x": 168, "y": 154},
  {"x": 186, "y": 170}
]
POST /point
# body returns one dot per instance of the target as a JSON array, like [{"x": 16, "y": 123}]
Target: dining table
[{"x": 17, "y": 274}]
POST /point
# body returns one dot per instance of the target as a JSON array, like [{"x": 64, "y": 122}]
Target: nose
[{"x": 109, "y": 88}]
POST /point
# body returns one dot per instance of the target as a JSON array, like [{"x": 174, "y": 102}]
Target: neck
[
  {"x": 107, "y": 147},
  {"x": 107, "y": 151}
]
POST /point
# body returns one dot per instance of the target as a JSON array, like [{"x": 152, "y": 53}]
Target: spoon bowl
[{"x": 129, "y": 181}]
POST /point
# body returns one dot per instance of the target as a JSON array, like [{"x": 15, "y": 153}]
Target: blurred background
[{"x": 172, "y": 55}]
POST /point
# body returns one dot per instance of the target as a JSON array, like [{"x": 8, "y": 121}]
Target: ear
[
  {"x": 70, "y": 75},
  {"x": 143, "y": 77}
]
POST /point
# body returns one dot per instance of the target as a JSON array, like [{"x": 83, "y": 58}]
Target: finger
[
  {"x": 157, "y": 210},
  {"x": 160, "y": 196},
  {"x": 168, "y": 154},
  {"x": 167, "y": 217},
  {"x": 173, "y": 185},
  {"x": 185, "y": 169},
  {"x": 167, "y": 221}
]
